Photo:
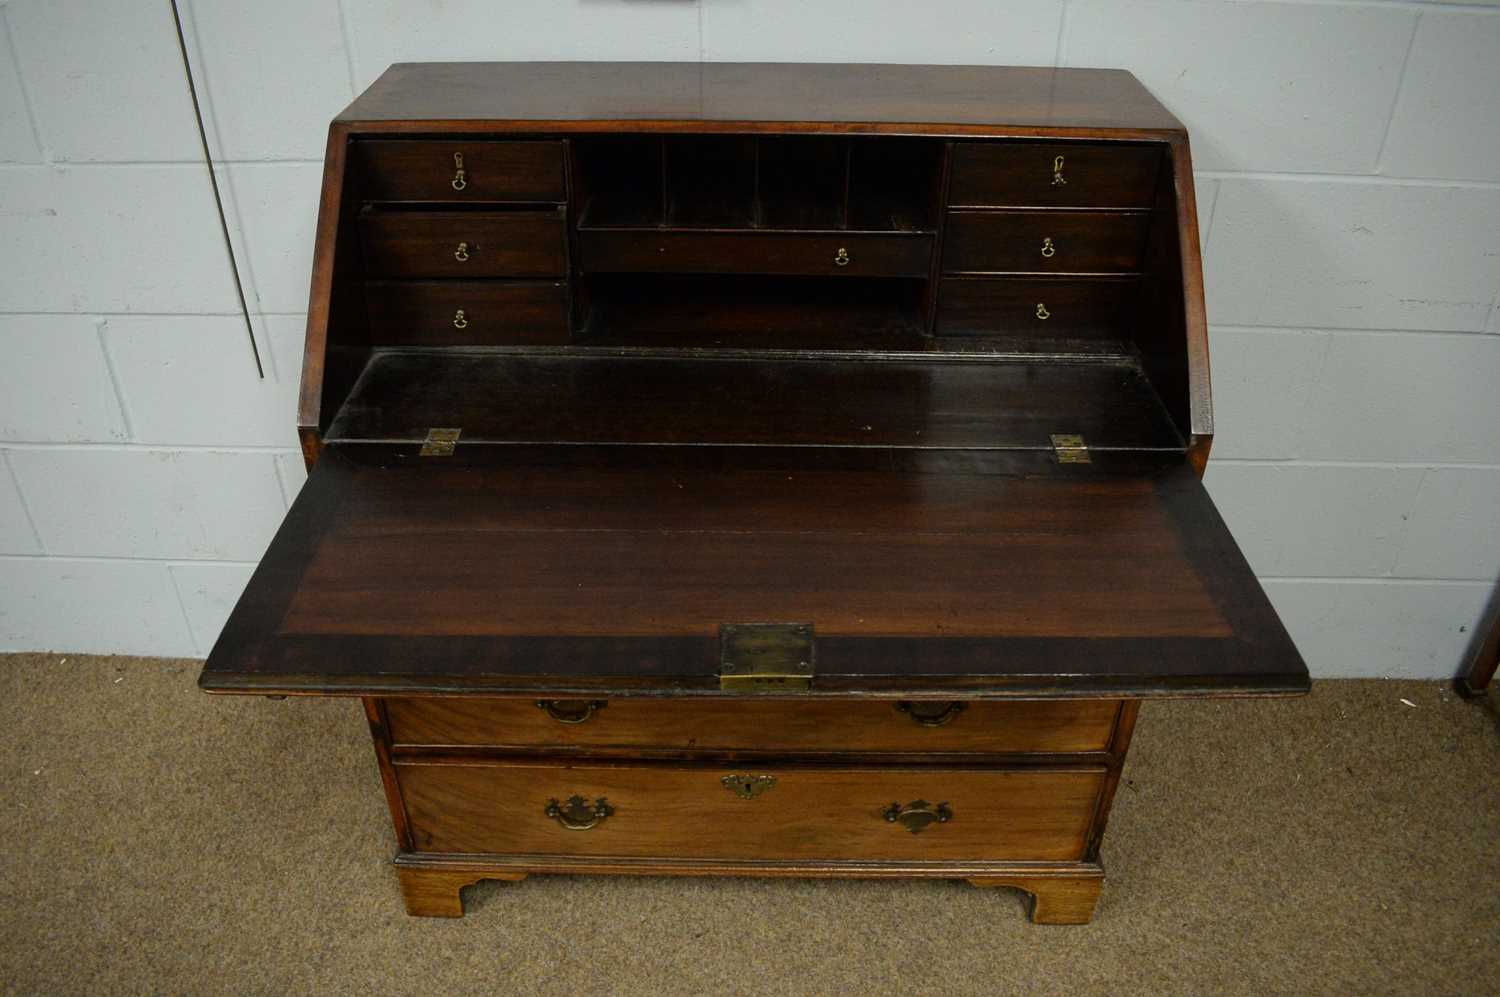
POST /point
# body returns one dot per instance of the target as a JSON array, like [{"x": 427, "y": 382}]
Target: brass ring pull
[
  {"x": 927, "y": 716},
  {"x": 460, "y": 178},
  {"x": 1057, "y": 176},
  {"x": 918, "y": 815},
  {"x": 841, "y": 258},
  {"x": 570, "y": 711},
  {"x": 460, "y": 321},
  {"x": 1041, "y": 311},
  {"x": 579, "y": 814},
  {"x": 461, "y": 254},
  {"x": 1048, "y": 250}
]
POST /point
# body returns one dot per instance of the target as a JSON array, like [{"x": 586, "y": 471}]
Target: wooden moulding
[{"x": 1062, "y": 892}]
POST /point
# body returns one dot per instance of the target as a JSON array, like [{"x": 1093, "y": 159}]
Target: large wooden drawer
[
  {"x": 893, "y": 254},
  {"x": 1085, "y": 308},
  {"x": 1057, "y": 726},
  {"x": 1053, "y": 174},
  {"x": 423, "y": 170},
  {"x": 1043, "y": 241},
  {"x": 808, "y": 812},
  {"x": 464, "y": 243},
  {"x": 467, "y": 312}
]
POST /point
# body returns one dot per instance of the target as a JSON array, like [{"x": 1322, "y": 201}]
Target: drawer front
[
  {"x": 467, "y": 313},
  {"x": 807, "y": 813},
  {"x": 852, "y": 255},
  {"x": 1100, "y": 308},
  {"x": 395, "y": 170},
  {"x": 1043, "y": 241},
  {"x": 986, "y": 727},
  {"x": 463, "y": 243},
  {"x": 1027, "y": 175}
]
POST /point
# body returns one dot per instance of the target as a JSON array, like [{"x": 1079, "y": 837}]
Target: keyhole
[{"x": 1057, "y": 176}]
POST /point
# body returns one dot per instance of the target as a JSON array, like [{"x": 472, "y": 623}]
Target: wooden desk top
[
  {"x": 608, "y": 570},
  {"x": 845, "y": 98}
]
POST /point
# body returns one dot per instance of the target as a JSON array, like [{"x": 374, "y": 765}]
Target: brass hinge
[
  {"x": 440, "y": 442},
  {"x": 1070, "y": 448},
  {"x": 765, "y": 657}
]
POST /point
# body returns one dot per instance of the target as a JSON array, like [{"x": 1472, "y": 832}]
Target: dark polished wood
[
  {"x": 1029, "y": 175},
  {"x": 1043, "y": 242},
  {"x": 569, "y": 397},
  {"x": 1046, "y": 306},
  {"x": 607, "y": 364},
  {"x": 772, "y": 97},
  {"x": 494, "y": 312},
  {"x": 464, "y": 244},
  {"x": 414, "y": 170}
]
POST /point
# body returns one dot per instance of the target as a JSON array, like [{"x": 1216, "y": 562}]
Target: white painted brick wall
[{"x": 1349, "y": 203}]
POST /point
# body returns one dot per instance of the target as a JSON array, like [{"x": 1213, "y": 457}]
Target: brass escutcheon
[
  {"x": 1041, "y": 311},
  {"x": 930, "y": 714},
  {"x": 918, "y": 815},
  {"x": 570, "y": 711},
  {"x": 578, "y": 814},
  {"x": 1057, "y": 177},
  {"x": 748, "y": 787},
  {"x": 461, "y": 254},
  {"x": 460, "y": 321},
  {"x": 841, "y": 258},
  {"x": 1048, "y": 250},
  {"x": 460, "y": 179}
]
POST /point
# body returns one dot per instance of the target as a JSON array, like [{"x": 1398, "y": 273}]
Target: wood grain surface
[{"x": 810, "y": 813}]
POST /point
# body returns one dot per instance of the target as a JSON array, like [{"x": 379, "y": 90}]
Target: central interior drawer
[
  {"x": 464, "y": 243},
  {"x": 1058, "y": 726},
  {"x": 870, "y": 254},
  {"x": 803, "y": 812}
]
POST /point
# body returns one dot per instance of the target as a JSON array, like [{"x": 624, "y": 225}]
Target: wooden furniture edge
[
  {"x": 1476, "y": 677},
  {"x": 320, "y": 294},
  {"x": 1194, "y": 312},
  {"x": 1062, "y": 892}
]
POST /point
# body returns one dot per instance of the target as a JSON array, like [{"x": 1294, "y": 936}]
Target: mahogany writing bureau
[{"x": 754, "y": 469}]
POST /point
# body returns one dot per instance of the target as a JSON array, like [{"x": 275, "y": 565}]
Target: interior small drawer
[
  {"x": 467, "y": 312},
  {"x": 895, "y": 254},
  {"x": 463, "y": 243},
  {"x": 1043, "y": 241},
  {"x": 750, "y": 812},
  {"x": 1053, "y": 174},
  {"x": 459, "y": 170},
  {"x": 1060, "y": 726},
  {"x": 1081, "y": 308}
]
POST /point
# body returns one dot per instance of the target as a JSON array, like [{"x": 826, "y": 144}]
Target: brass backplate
[
  {"x": 440, "y": 442},
  {"x": 1070, "y": 448},
  {"x": 765, "y": 657}
]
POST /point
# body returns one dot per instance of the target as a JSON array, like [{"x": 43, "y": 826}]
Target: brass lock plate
[{"x": 765, "y": 657}]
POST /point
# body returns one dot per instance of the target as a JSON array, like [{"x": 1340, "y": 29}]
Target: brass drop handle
[
  {"x": 1041, "y": 311},
  {"x": 841, "y": 258},
  {"x": 1057, "y": 174},
  {"x": 918, "y": 815},
  {"x": 578, "y": 814},
  {"x": 1048, "y": 250},
  {"x": 460, "y": 320},
  {"x": 570, "y": 711},
  {"x": 461, "y": 254},
  {"x": 460, "y": 178},
  {"x": 930, "y": 714}
]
